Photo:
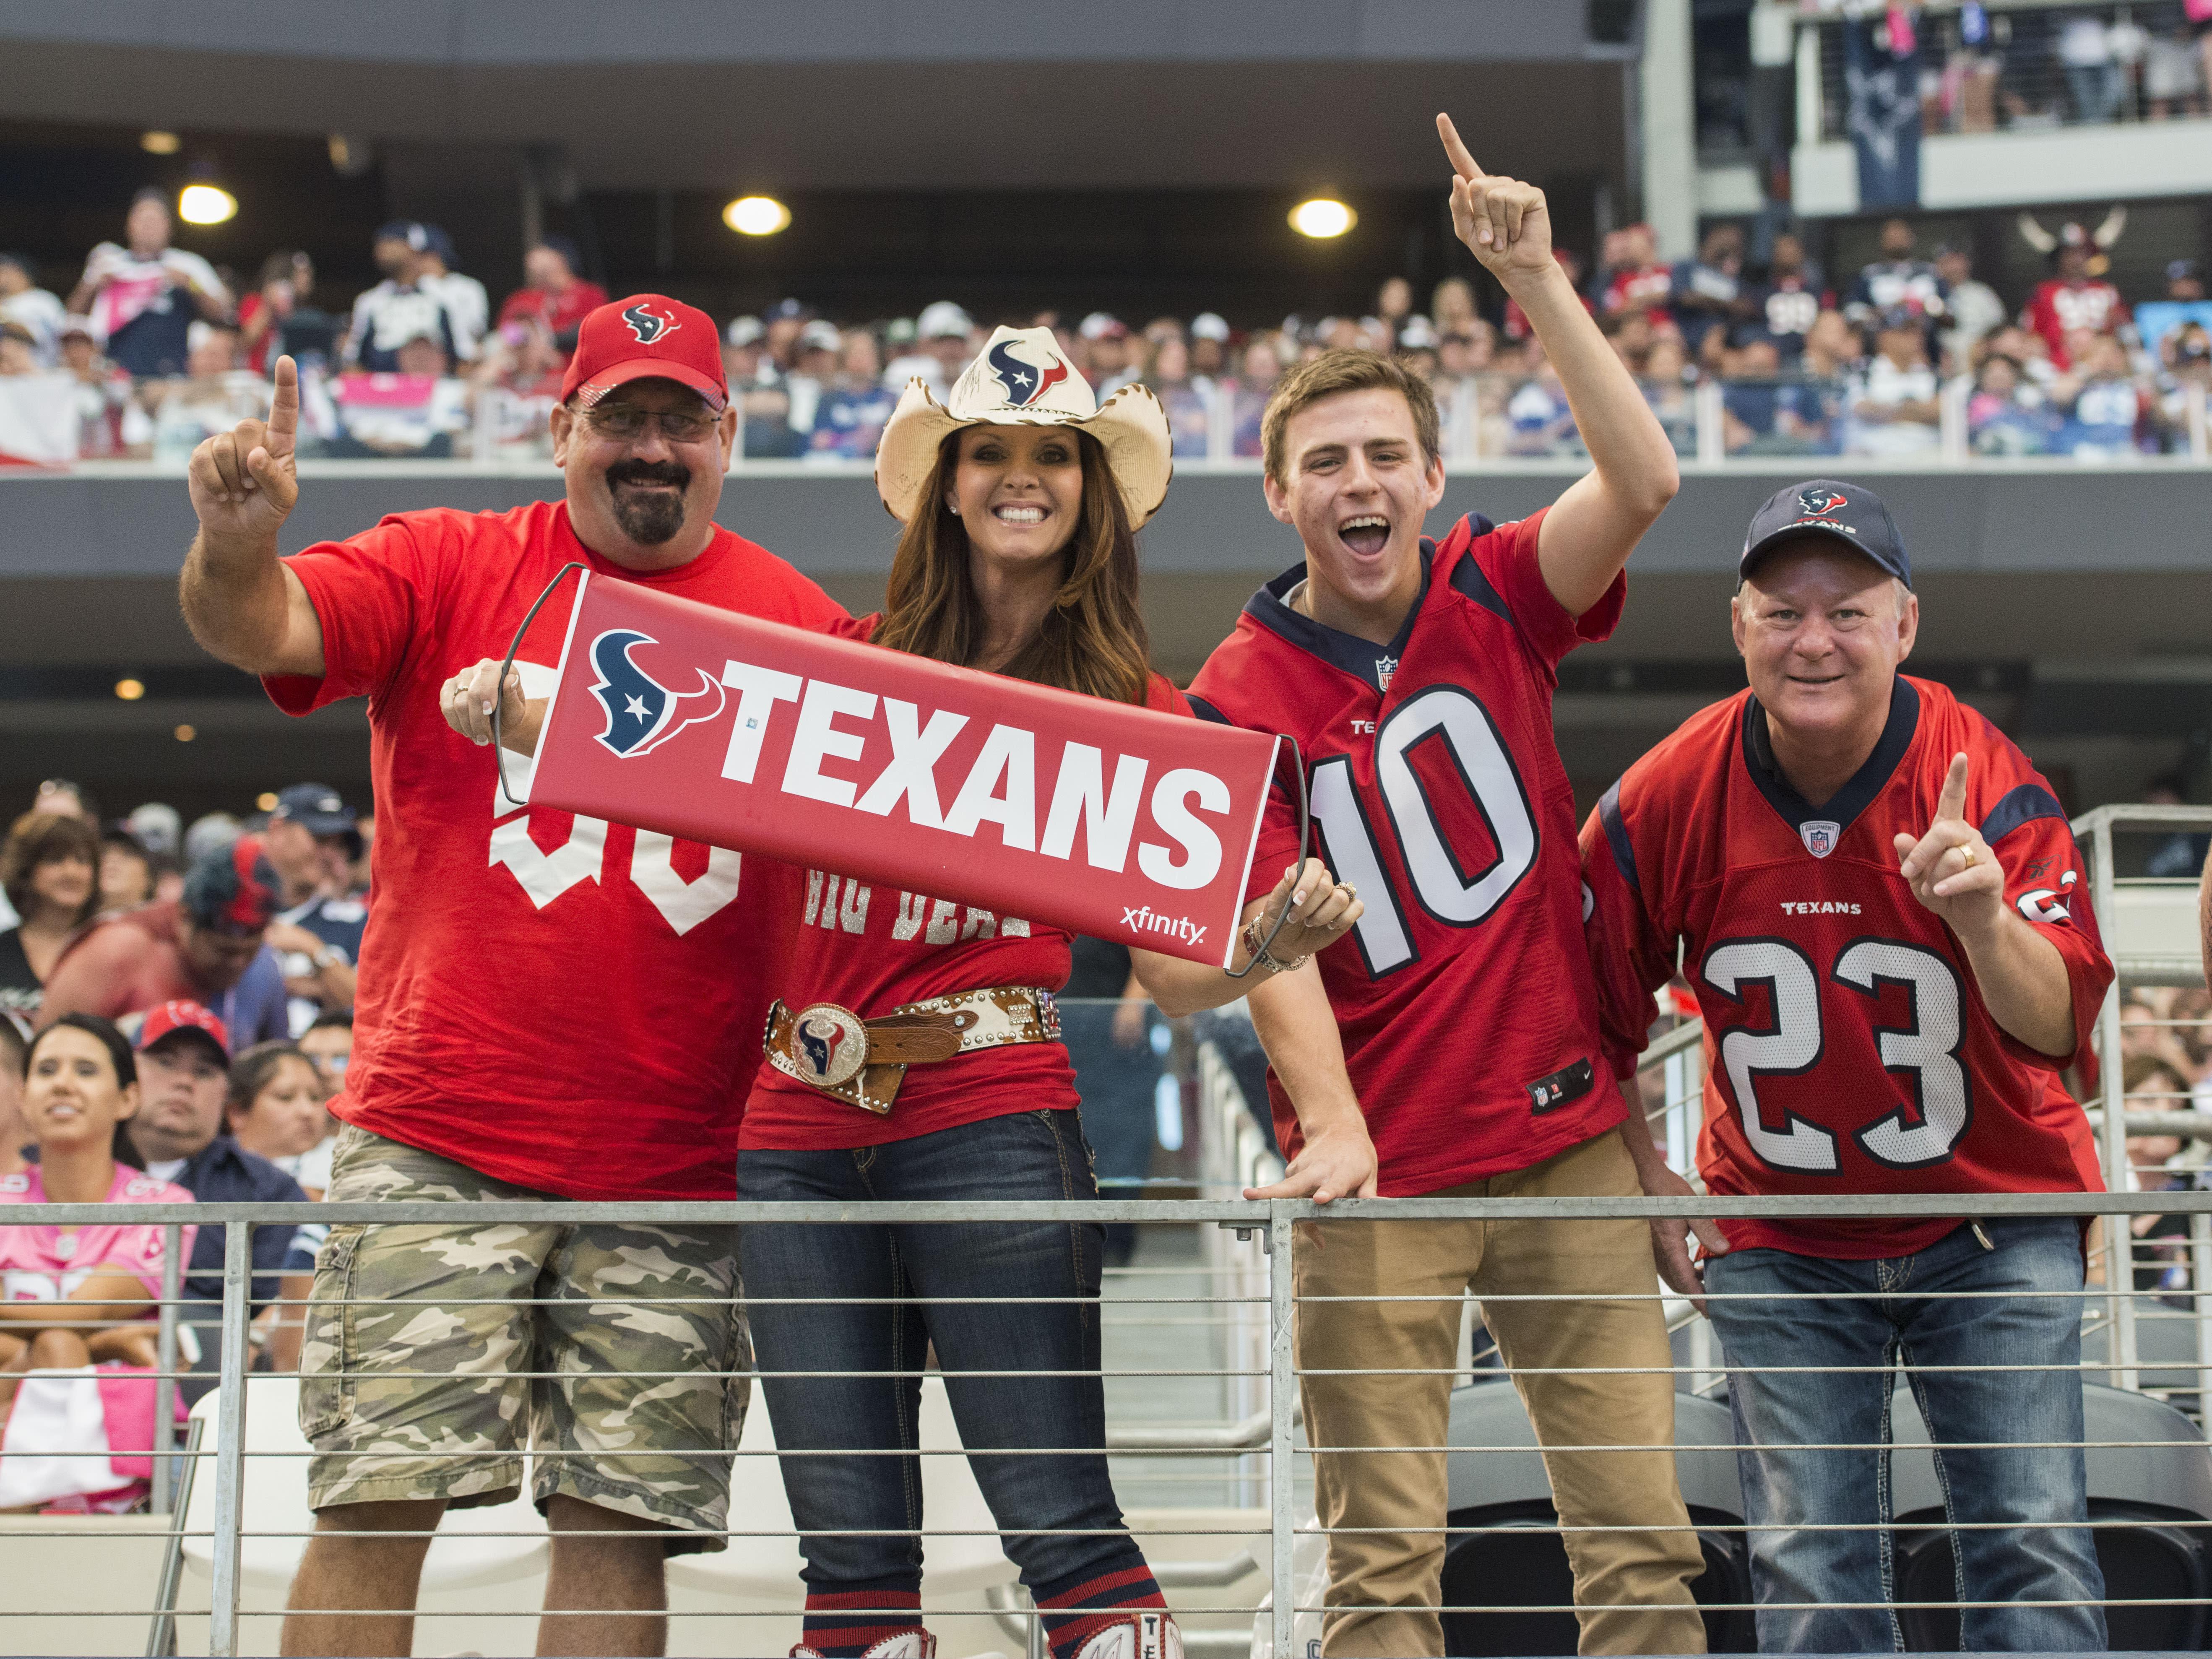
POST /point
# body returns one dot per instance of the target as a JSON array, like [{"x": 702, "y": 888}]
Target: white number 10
[{"x": 1451, "y": 895}]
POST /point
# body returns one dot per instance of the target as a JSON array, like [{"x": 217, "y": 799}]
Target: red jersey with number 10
[
  {"x": 1847, "y": 1046},
  {"x": 1468, "y": 1015}
]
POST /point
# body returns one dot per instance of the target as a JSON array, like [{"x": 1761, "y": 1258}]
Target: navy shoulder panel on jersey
[
  {"x": 1468, "y": 578},
  {"x": 1616, "y": 836},
  {"x": 1204, "y": 710},
  {"x": 2023, "y": 805}
]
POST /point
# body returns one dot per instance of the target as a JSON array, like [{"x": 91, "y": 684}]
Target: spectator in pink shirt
[{"x": 72, "y": 1297}]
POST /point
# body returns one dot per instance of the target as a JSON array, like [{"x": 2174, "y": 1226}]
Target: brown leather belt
[{"x": 864, "y": 1062}]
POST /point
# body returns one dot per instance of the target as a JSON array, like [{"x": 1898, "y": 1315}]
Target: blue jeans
[
  {"x": 1874, "y": 1314},
  {"x": 1040, "y": 1503}
]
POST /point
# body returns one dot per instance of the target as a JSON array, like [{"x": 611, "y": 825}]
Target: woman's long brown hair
[{"x": 1093, "y": 639}]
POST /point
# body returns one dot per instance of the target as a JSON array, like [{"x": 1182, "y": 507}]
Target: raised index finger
[
  {"x": 1462, "y": 163},
  {"x": 283, "y": 409},
  {"x": 1952, "y": 804}
]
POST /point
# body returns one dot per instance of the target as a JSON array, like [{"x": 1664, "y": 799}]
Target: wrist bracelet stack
[{"x": 1256, "y": 947}]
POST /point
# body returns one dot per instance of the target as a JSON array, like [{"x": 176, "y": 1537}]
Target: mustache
[{"x": 665, "y": 472}]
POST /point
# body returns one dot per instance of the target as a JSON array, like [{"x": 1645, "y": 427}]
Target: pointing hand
[{"x": 244, "y": 481}]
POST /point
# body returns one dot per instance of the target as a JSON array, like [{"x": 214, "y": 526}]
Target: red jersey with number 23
[
  {"x": 1847, "y": 1046},
  {"x": 1468, "y": 1015},
  {"x": 569, "y": 1005}
]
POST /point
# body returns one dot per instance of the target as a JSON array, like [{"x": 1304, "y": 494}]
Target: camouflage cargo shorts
[{"x": 415, "y": 1371}]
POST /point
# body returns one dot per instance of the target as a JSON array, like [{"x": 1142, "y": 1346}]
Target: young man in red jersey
[
  {"x": 549, "y": 1005},
  {"x": 1451, "y": 1047},
  {"x": 1881, "y": 909}
]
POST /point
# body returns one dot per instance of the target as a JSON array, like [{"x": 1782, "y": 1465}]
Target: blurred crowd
[
  {"x": 1988, "y": 66},
  {"x": 1912, "y": 354},
  {"x": 198, "y": 985}
]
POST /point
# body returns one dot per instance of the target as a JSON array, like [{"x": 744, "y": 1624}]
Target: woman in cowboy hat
[{"x": 923, "y": 1061}]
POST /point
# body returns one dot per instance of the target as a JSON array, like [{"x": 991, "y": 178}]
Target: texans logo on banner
[
  {"x": 649, "y": 327},
  {"x": 953, "y": 786},
  {"x": 1820, "y": 503},
  {"x": 1024, "y": 382},
  {"x": 642, "y": 714}
]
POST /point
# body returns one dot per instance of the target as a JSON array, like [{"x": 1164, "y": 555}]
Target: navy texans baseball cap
[
  {"x": 316, "y": 807},
  {"x": 1851, "y": 513}
]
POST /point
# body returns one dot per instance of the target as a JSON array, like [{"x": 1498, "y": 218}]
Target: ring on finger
[{"x": 1968, "y": 856}]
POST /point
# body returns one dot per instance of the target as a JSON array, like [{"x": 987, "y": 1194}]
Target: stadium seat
[
  {"x": 1525, "y": 1566},
  {"x": 475, "y": 1548}
]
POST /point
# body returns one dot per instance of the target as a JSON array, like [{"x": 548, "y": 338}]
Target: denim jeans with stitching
[
  {"x": 1902, "y": 1311},
  {"x": 1043, "y": 1343}
]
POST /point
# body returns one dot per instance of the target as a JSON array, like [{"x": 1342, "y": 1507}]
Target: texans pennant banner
[{"x": 1117, "y": 821}]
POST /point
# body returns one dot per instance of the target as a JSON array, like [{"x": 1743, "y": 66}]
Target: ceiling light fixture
[
  {"x": 756, "y": 216},
  {"x": 206, "y": 204},
  {"x": 1323, "y": 217},
  {"x": 158, "y": 143}
]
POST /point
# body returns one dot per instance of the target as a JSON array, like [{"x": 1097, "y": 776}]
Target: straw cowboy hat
[{"x": 1021, "y": 379}]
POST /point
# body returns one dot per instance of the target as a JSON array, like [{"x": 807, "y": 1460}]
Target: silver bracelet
[{"x": 1256, "y": 947}]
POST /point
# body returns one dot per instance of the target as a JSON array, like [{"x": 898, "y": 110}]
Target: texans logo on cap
[
  {"x": 1024, "y": 382},
  {"x": 650, "y": 325},
  {"x": 1822, "y": 502},
  {"x": 642, "y": 714}
]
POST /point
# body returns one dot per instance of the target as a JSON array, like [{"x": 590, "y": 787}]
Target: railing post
[
  {"x": 1712, "y": 422},
  {"x": 1221, "y": 421},
  {"x": 1951, "y": 419},
  {"x": 2119, "y": 1236},
  {"x": 1281, "y": 1390},
  {"x": 230, "y": 1437},
  {"x": 165, "y": 1365},
  {"x": 1811, "y": 125},
  {"x": 2192, "y": 401},
  {"x": 2200, "y": 1300}
]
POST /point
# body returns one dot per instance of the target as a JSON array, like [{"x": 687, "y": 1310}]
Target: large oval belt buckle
[{"x": 828, "y": 1045}]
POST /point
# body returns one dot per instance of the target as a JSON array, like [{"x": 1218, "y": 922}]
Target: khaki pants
[{"x": 1631, "y": 1588}]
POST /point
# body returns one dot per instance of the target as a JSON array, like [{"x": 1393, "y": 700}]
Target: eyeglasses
[{"x": 626, "y": 422}]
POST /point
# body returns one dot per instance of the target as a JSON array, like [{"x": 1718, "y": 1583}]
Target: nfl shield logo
[
  {"x": 1384, "y": 668},
  {"x": 1820, "y": 836}
]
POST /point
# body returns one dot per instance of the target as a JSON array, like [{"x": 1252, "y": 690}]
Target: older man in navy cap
[{"x": 1881, "y": 909}]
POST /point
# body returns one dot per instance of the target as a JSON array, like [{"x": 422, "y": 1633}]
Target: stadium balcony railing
[
  {"x": 1489, "y": 420},
  {"x": 1203, "y": 1432},
  {"x": 2005, "y": 72}
]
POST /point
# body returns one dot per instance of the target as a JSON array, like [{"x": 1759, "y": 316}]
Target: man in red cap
[
  {"x": 205, "y": 947},
  {"x": 548, "y": 1005}
]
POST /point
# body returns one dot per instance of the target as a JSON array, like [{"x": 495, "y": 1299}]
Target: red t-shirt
[
  {"x": 872, "y": 952},
  {"x": 1847, "y": 1047},
  {"x": 550, "y": 999},
  {"x": 1640, "y": 287},
  {"x": 1468, "y": 1015},
  {"x": 560, "y": 312},
  {"x": 2058, "y": 309}
]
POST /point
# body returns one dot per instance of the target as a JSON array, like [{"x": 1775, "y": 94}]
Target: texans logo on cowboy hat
[{"x": 1021, "y": 379}]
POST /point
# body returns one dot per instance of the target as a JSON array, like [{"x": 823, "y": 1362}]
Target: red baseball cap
[
  {"x": 183, "y": 1016},
  {"x": 646, "y": 335}
]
